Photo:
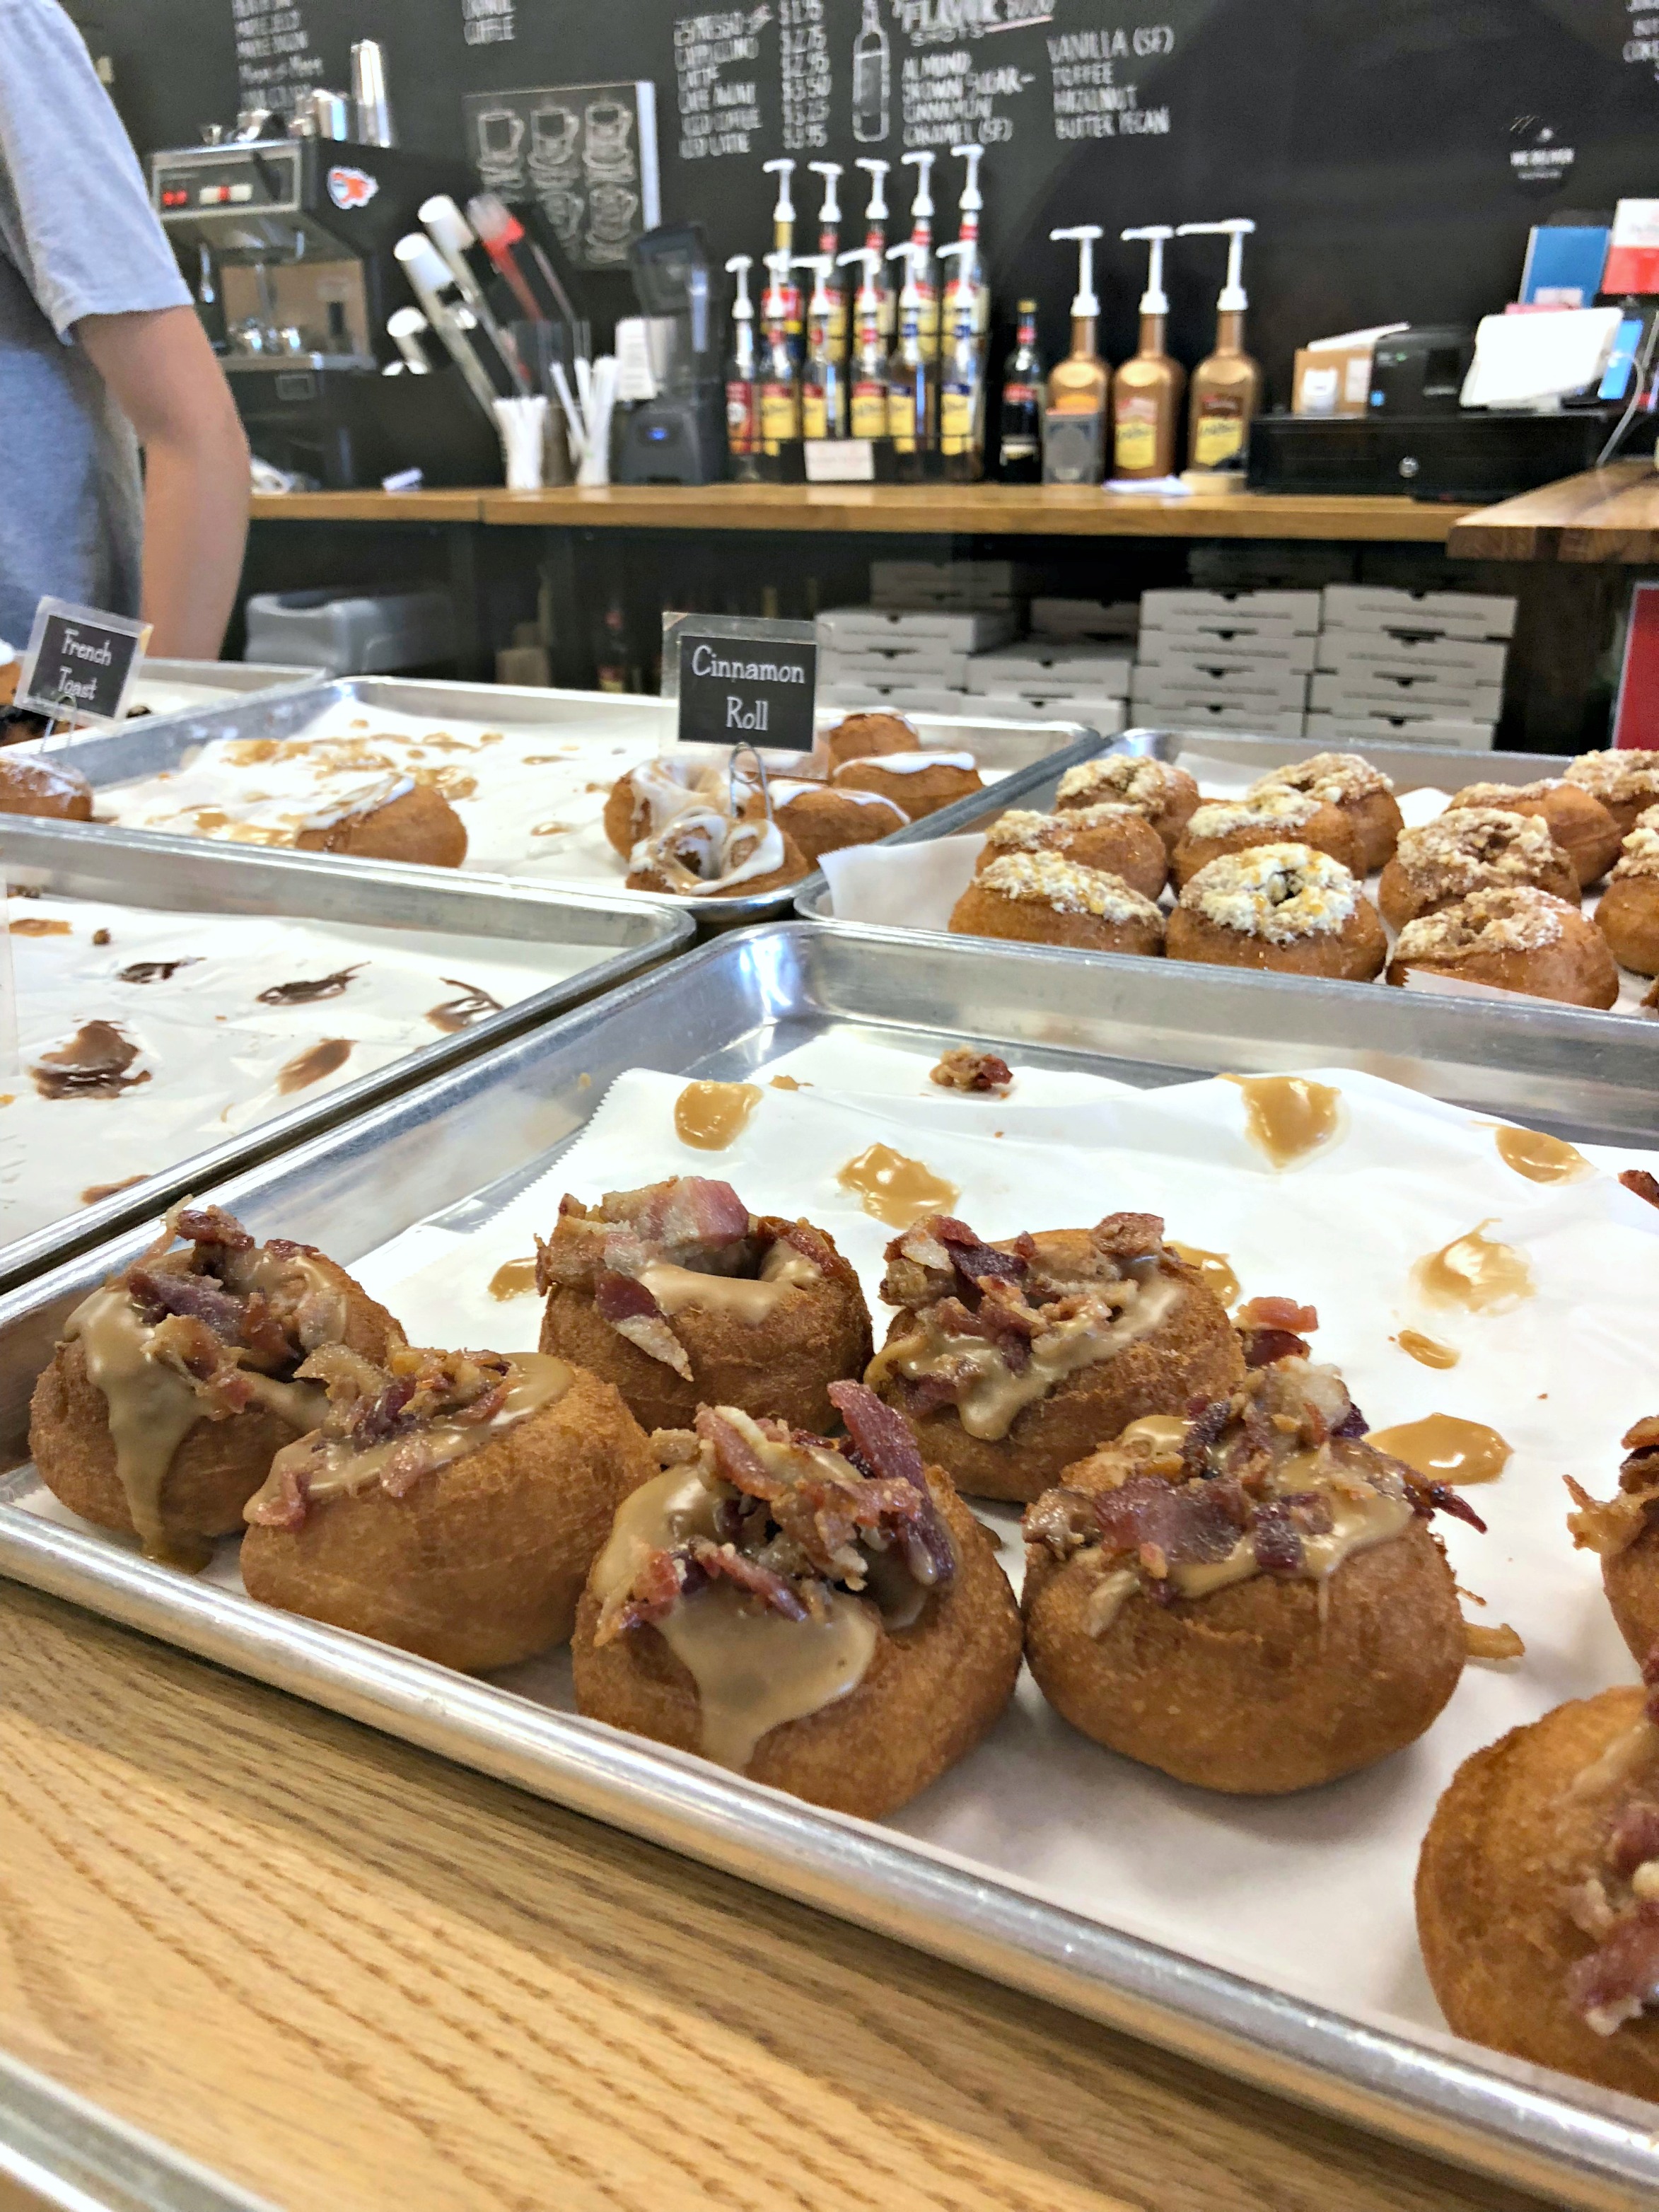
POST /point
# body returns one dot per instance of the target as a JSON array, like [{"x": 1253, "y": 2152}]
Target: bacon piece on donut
[
  {"x": 1618, "y": 1982},
  {"x": 630, "y": 1309},
  {"x": 1637, "y": 1179},
  {"x": 212, "y": 1225},
  {"x": 1278, "y": 1313},
  {"x": 155, "y": 1292},
  {"x": 887, "y": 1449},
  {"x": 724, "y": 1562},
  {"x": 962, "y": 1068},
  {"x": 1128, "y": 1236},
  {"x": 735, "y": 1456}
]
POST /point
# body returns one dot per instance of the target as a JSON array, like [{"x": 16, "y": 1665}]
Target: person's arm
[{"x": 162, "y": 375}]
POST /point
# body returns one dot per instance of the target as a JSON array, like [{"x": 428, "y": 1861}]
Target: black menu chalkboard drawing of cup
[{"x": 586, "y": 153}]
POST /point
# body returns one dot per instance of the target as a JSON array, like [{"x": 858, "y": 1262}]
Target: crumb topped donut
[
  {"x": 681, "y": 1296},
  {"x": 1515, "y": 937},
  {"x": 823, "y": 1614},
  {"x": 1467, "y": 849},
  {"x": 1626, "y": 781},
  {"x": 1269, "y": 815},
  {"x": 1536, "y": 1891},
  {"x": 918, "y": 782},
  {"x": 1361, "y": 791},
  {"x": 1115, "y": 838},
  {"x": 1245, "y": 1596},
  {"x": 866, "y": 736},
  {"x": 1628, "y": 912},
  {"x": 822, "y": 819},
  {"x": 395, "y": 819},
  {"x": 1011, "y": 1359},
  {"x": 1577, "y": 821},
  {"x": 703, "y": 854},
  {"x": 1164, "y": 795},
  {"x": 646, "y": 799},
  {"x": 45, "y": 787},
  {"x": 1281, "y": 907},
  {"x": 1040, "y": 898}
]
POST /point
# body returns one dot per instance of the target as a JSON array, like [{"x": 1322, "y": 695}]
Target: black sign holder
[
  {"x": 739, "y": 680},
  {"x": 81, "y": 663}
]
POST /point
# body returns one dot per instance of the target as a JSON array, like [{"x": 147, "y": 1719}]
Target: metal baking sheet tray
[
  {"x": 1021, "y": 752},
  {"x": 170, "y": 687},
  {"x": 188, "y": 875},
  {"x": 736, "y": 1004}
]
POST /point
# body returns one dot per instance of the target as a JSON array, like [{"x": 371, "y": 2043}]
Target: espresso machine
[{"x": 287, "y": 242}]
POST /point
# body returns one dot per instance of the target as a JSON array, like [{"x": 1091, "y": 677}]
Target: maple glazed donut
[
  {"x": 866, "y": 736},
  {"x": 1247, "y": 1598},
  {"x": 919, "y": 783},
  {"x": 1577, "y": 821},
  {"x": 450, "y": 1502},
  {"x": 1040, "y": 898},
  {"x": 703, "y": 854},
  {"x": 682, "y": 1298},
  {"x": 1626, "y": 781},
  {"x": 1623, "y": 1533},
  {"x": 1280, "y": 906},
  {"x": 1627, "y": 914},
  {"x": 1355, "y": 788},
  {"x": 1011, "y": 1360},
  {"x": 174, "y": 1385},
  {"x": 1115, "y": 838},
  {"x": 823, "y": 818},
  {"x": 1164, "y": 795},
  {"x": 644, "y": 801},
  {"x": 45, "y": 787},
  {"x": 1266, "y": 816},
  {"x": 1536, "y": 1890},
  {"x": 1514, "y": 939},
  {"x": 395, "y": 819},
  {"x": 837, "y": 1626},
  {"x": 1471, "y": 848}
]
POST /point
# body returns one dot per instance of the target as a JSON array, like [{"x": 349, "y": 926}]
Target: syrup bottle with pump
[
  {"x": 783, "y": 242},
  {"x": 961, "y": 373},
  {"x": 1148, "y": 390},
  {"x": 875, "y": 240},
  {"x": 1227, "y": 387},
  {"x": 1079, "y": 386},
  {"x": 829, "y": 243},
  {"x": 823, "y": 379},
  {"x": 921, "y": 270},
  {"x": 866, "y": 374},
  {"x": 742, "y": 381},
  {"x": 971, "y": 265},
  {"x": 781, "y": 459},
  {"x": 911, "y": 387}
]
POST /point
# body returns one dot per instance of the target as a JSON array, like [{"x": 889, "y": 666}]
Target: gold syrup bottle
[
  {"x": 910, "y": 386},
  {"x": 1149, "y": 388},
  {"x": 829, "y": 243},
  {"x": 823, "y": 378},
  {"x": 1079, "y": 386},
  {"x": 866, "y": 367},
  {"x": 961, "y": 371},
  {"x": 780, "y": 458},
  {"x": 875, "y": 241},
  {"x": 922, "y": 269},
  {"x": 1227, "y": 387}
]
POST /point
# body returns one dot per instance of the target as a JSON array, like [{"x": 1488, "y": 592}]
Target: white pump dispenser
[
  {"x": 785, "y": 170},
  {"x": 1227, "y": 386},
  {"x": 922, "y": 207},
  {"x": 1146, "y": 394},
  {"x": 1235, "y": 229},
  {"x": 877, "y": 209},
  {"x": 1079, "y": 386},
  {"x": 1086, "y": 302},
  {"x": 971, "y": 201},
  {"x": 1154, "y": 301},
  {"x": 743, "y": 309},
  {"x": 875, "y": 236},
  {"x": 830, "y": 172}
]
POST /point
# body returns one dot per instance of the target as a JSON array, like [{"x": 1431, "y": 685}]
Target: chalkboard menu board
[{"x": 1393, "y": 153}]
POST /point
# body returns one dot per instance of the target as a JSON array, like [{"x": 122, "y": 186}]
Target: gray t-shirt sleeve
[{"x": 74, "y": 217}]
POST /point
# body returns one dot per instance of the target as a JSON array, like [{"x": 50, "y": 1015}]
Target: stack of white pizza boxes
[
  {"x": 912, "y": 660},
  {"x": 1055, "y": 679},
  {"x": 899, "y": 585},
  {"x": 1413, "y": 667},
  {"x": 1225, "y": 660}
]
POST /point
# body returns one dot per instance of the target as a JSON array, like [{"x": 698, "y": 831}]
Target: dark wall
[{"x": 1373, "y": 141}]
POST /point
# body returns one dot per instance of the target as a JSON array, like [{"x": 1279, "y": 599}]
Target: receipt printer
[{"x": 1421, "y": 371}]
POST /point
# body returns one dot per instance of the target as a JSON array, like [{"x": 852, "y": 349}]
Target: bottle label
[
  {"x": 956, "y": 419},
  {"x": 740, "y": 432},
  {"x": 814, "y": 413},
  {"x": 1134, "y": 445},
  {"x": 780, "y": 414},
  {"x": 1073, "y": 446},
  {"x": 1020, "y": 395},
  {"x": 1219, "y": 433},
  {"x": 902, "y": 421},
  {"x": 869, "y": 410}
]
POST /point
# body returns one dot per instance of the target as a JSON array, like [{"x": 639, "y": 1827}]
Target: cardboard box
[
  {"x": 1164, "y": 610},
  {"x": 1204, "y": 648},
  {"x": 1460, "y": 660},
  {"x": 1342, "y": 732},
  {"x": 1378, "y": 692},
  {"x": 1335, "y": 381},
  {"x": 1443, "y": 614},
  {"x": 966, "y": 630}
]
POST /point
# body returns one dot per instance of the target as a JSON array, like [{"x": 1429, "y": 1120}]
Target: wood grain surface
[
  {"x": 351, "y": 1977},
  {"x": 945, "y": 510},
  {"x": 1605, "y": 514}
]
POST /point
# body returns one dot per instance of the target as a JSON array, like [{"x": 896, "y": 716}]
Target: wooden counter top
[
  {"x": 1605, "y": 514},
  {"x": 992, "y": 510},
  {"x": 354, "y": 1979}
]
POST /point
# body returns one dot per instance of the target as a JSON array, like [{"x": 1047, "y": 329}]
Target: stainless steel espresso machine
[{"x": 287, "y": 242}]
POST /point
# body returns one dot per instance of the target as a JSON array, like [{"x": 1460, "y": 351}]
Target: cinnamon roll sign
[{"x": 749, "y": 683}]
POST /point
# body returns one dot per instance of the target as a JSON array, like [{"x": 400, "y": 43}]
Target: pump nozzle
[
  {"x": 1085, "y": 233},
  {"x": 1235, "y": 229},
  {"x": 830, "y": 172},
  {"x": 777, "y": 268},
  {"x": 1154, "y": 301},
  {"x": 820, "y": 265},
  {"x": 877, "y": 210},
  {"x": 971, "y": 201},
  {"x": 785, "y": 209},
  {"x": 923, "y": 165},
  {"x": 869, "y": 262},
  {"x": 740, "y": 266},
  {"x": 909, "y": 293}
]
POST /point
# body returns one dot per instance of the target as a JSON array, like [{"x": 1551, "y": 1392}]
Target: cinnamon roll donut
[
  {"x": 866, "y": 737},
  {"x": 645, "y": 799},
  {"x": 920, "y": 783},
  {"x": 826, "y": 818},
  {"x": 397, "y": 818},
  {"x": 705, "y": 854}
]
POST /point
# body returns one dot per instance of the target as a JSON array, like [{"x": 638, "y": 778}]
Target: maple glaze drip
[
  {"x": 1541, "y": 1158},
  {"x": 1475, "y": 1273},
  {"x": 514, "y": 1279},
  {"x": 1286, "y": 1117},
  {"x": 710, "y": 1117},
  {"x": 452, "y": 1014},
  {"x": 1446, "y": 1448},
  {"x": 896, "y": 1190},
  {"x": 1426, "y": 1350},
  {"x": 36, "y": 924},
  {"x": 94, "y": 1064},
  {"x": 306, "y": 990},
  {"x": 1215, "y": 1267},
  {"x": 785, "y": 1083},
  {"x": 321, "y": 1059}
]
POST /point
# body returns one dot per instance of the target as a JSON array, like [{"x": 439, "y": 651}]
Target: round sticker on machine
[{"x": 351, "y": 188}]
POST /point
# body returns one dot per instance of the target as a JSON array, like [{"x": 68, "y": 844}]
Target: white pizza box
[
  {"x": 931, "y": 657},
  {"x": 1463, "y": 660},
  {"x": 962, "y": 630},
  {"x": 1274, "y": 687},
  {"x": 1060, "y": 665},
  {"x": 1052, "y": 617},
  {"x": 1354, "y": 694},
  {"x": 914, "y": 696},
  {"x": 1229, "y": 628},
  {"x": 1197, "y": 716},
  {"x": 1106, "y": 715},
  {"x": 1453, "y": 614},
  {"x": 1173, "y": 648},
  {"x": 1346, "y": 732},
  {"x": 1300, "y": 610},
  {"x": 948, "y": 583}
]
